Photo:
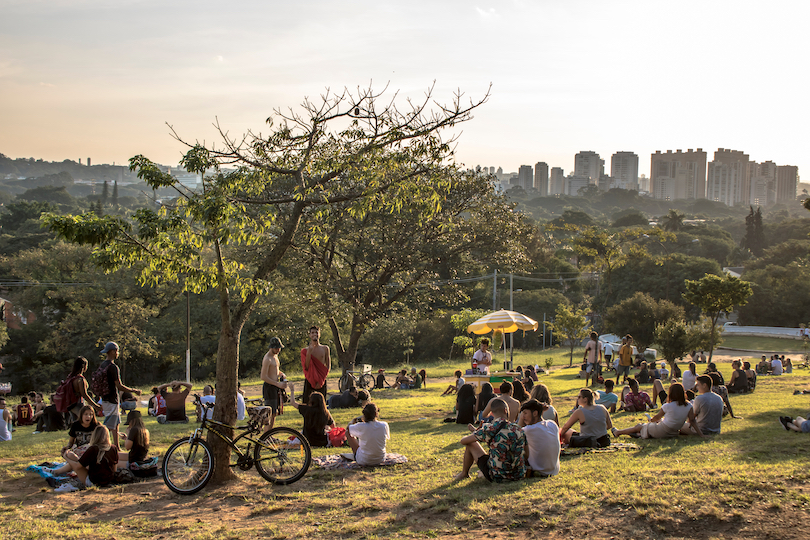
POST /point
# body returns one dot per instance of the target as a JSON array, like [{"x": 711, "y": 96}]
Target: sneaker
[
  {"x": 66, "y": 488},
  {"x": 613, "y": 430},
  {"x": 87, "y": 482},
  {"x": 797, "y": 392},
  {"x": 784, "y": 420},
  {"x": 36, "y": 432}
]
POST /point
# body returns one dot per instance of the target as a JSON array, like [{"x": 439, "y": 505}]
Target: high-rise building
[
  {"x": 729, "y": 178},
  {"x": 541, "y": 178},
  {"x": 678, "y": 175},
  {"x": 526, "y": 177},
  {"x": 590, "y": 165},
  {"x": 763, "y": 182},
  {"x": 624, "y": 170},
  {"x": 787, "y": 182},
  {"x": 557, "y": 181},
  {"x": 574, "y": 183}
]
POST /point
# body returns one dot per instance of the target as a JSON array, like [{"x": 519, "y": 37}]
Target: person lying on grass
[
  {"x": 454, "y": 388},
  {"x": 542, "y": 440},
  {"x": 506, "y": 441},
  {"x": 594, "y": 420},
  {"x": 367, "y": 437},
  {"x": 669, "y": 420},
  {"x": 799, "y": 424}
]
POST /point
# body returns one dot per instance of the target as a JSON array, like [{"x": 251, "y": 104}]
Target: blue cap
[{"x": 110, "y": 346}]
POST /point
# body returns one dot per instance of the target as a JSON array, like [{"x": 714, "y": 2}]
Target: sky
[{"x": 105, "y": 79}]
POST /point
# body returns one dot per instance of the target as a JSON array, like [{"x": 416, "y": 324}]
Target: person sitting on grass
[
  {"x": 416, "y": 379},
  {"x": 669, "y": 420},
  {"x": 175, "y": 402},
  {"x": 156, "y": 405},
  {"x": 739, "y": 380},
  {"x": 486, "y": 395},
  {"x": 798, "y": 424},
  {"x": 381, "y": 383},
  {"x": 689, "y": 377},
  {"x": 367, "y": 437},
  {"x": 659, "y": 393},
  {"x": 512, "y": 404},
  {"x": 81, "y": 431},
  {"x": 317, "y": 419},
  {"x": 403, "y": 382},
  {"x": 594, "y": 420},
  {"x": 764, "y": 367},
  {"x": 23, "y": 415},
  {"x": 751, "y": 375},
  {"x": 506, "y": 442},
  {"x": 607, "y": 399},
  {"x": 454, "y": 388},
  {"x": 466, "y": 408},
  {"x": 643, "y": 376},
  {"x": 633, "y": 400},
  {"x": 542, "y": 440},
  {"x": 423, "y": 374},
  {"x": 540, "y": 393},
  {"x": 720, "y": 389},
  {"x": 519, "y": 391},
  {"x": 708, "y": 409},
  {"x": 96, "y": 466},
  {"x": 136, "y": 441}
]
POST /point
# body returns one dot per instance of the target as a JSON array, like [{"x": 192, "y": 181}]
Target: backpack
[
  {"x": 99, "y": 384},
  {"x": 65, "y": 395}
]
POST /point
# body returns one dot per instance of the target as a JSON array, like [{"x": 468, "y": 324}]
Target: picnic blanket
[
  {"x": 614, "y": 447},
  {"x": 52, "y": 480},
  {"x": 338, "y": 462}
]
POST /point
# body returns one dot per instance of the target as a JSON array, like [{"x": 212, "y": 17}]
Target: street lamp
[{"x": 694, "y": 241}]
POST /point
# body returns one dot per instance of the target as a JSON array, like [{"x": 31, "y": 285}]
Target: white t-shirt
[
  {"x": 459, "y": 383},
  {"x": 776, "y": 367},
  {"x": 689, "y": 380},
  {"x": 543, "y": 439},
  {"x": 675, "y": 415},
  {"x": 550, "y": 414},
  {"x": 240, "y": 406},
  {"x": 209, "y": 399},
  {"x": 372, "y": 436},
  {"x": 484, "y": 360},
  {"x": 608, "y": 349}
]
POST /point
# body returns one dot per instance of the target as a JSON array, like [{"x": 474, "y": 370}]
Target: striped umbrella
[{"x": 504, "y": 320}]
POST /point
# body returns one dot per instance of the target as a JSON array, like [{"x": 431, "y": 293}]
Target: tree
[
  {"x": 716, "y": 296},
  {"x": 639, "y": 316},
  {"x": 570, "y": 325},
  {"x": 754, "y": 239},
  {"x": 259, "y": 193},
  {"x": 105, "y": 193},
  {"x": 673, "y": 222},
  {"x": 460, "y": 322},
  {"x": 675, "y": 337},
  {"x": 373, "y": 262}
]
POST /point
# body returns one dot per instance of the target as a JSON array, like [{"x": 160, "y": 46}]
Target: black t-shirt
[
  {"x": 101, "y": 474},
  {"x": 138, "y": 453},
  {"x": 345, "y": 401},
  {"x": 313, "y": 425},
  {"x": 54, "y": 420},
  {"x": 113, "y": 376},
  {"x": 464, "y": 410},
  {"x": 80, "y": 433}
]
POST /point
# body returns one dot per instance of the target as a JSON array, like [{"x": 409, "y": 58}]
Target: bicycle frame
[{"x": 251, "y": 428}]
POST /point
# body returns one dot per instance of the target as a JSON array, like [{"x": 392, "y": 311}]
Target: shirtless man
[
  {"x": 506, "y": 397},
  {"x": 271, "y": 386},
  {"x": 315, "y": 361}
]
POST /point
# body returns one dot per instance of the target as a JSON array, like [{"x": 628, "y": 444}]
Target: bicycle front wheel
[
  {"x": 187, "y": 466},
  {"x": 367, "y": 382},
  {"x": 279, "y": 458},
  {"x": 344, "y": 382}
]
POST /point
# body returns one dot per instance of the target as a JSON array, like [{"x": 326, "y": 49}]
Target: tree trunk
[{"x": 347, "y": 354}]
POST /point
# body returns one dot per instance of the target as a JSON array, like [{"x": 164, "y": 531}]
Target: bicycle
[
  {"x": 364, "y": 381},
  {"x": 189, "y": 463}
]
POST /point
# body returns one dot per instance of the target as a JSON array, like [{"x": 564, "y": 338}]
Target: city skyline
[{"x": 84, "y": 78}]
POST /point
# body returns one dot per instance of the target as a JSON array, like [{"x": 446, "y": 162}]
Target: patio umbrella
[{"x": 504, "y": 320}]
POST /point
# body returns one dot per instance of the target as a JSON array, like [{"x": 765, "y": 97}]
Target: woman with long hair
[
  {"x": 316, "y": 417},
  {"x": 690, "y": 377},
  {"x": 97, "y": 465},
  {"x": 79, "y": 383},
  {"x": 136, "y": 441},
  {"x": 669, "y": 420},
  {"x": 519, "y": 391},
  {"x": 540, "y": 393},
  {"x": 484, "y": 397},
  {"x": 466, "y": 405}
]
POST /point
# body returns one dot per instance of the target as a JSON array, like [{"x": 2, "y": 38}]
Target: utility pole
[{"x": 495, "y": 291}]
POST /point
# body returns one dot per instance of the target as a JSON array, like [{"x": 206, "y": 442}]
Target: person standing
[
  {"x": 109, "y": 400},
  {"x": 80, "y": 389},
  {"x": 593, "y": 355},
  {"x": 316, "y": 361},
  {"x": 272, "y": 386},
  {"x": 5, "y": 421},
  {"x": 482, "y": 357},
  {"x": 608, "y": 351},
  {"x": 625, "y": 358}
]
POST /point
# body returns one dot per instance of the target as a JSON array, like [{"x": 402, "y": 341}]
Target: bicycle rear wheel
[
  {"x": 279, "y": 461},
  {"x": 367, "y": 382},
  {"x": 344, "y": 382},
  {"x": 187, "y": 466}
]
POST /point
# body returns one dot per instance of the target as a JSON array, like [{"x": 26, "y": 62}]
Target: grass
[
  {"x": 770, "y": 345},
  {"x": 679, "y": 487}
]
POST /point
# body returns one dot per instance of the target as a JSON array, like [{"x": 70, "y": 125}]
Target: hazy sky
[{"x": 100, "y": 79}]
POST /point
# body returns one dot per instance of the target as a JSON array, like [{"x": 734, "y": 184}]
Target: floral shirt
[
  {"x": 506, "y": 445},
  {"x": 637, "y": 401}
]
